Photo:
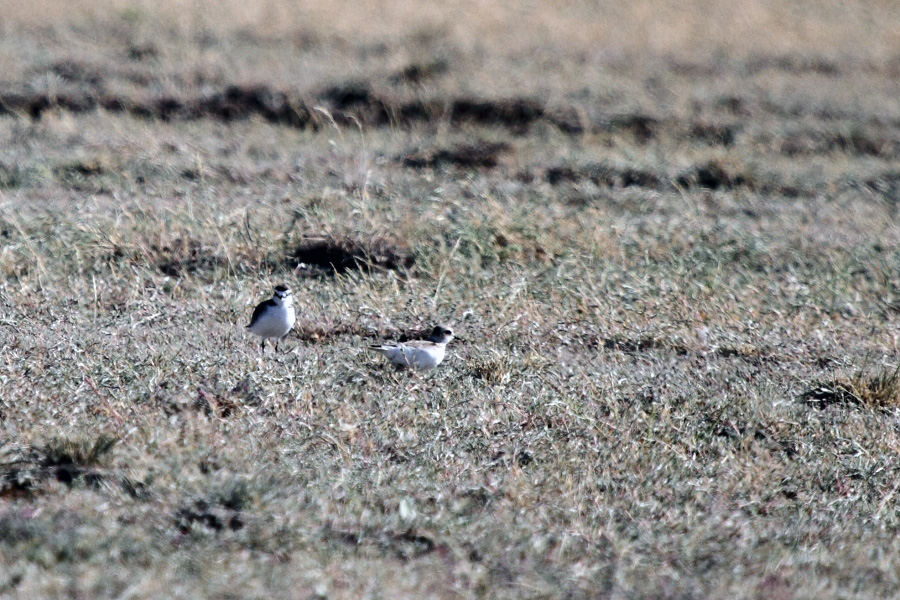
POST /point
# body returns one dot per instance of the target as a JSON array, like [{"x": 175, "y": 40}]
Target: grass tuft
[
  {"x": 67, "y": 460},
  {"x": 879, "y": 389},
  {"x": 81, "y": 452},
  {"x": 494, "y": 367}
]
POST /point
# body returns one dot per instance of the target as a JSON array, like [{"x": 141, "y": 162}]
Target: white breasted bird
[
  {"x": 273, "y": 319},
  {"x": 419, "y": 354}
]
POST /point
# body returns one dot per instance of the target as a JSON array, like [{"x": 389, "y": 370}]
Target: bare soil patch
[
  {"x": 340, "y": 254},
  {"x": 473, "y": 155}
]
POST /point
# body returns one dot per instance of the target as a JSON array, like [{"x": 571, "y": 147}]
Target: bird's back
[
  {"x": 259, "y": 310},
  {"x": 271, "y": 319},
  {"x": 418, "y": 354}
]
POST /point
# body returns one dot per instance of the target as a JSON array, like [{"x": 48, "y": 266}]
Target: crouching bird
[{"x": 418, "y": 354}]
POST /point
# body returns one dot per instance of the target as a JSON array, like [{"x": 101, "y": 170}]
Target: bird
[
  {"x": 418, "y": 354},
  {"x": 273, "y": 318}
]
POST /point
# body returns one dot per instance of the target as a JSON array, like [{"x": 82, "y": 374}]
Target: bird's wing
[
  {"x": 421, "y": 344},
  {"x": 385, "y": 348},
  {"x": 407, "y": 348},
  {"x": 258, "y": 311}
]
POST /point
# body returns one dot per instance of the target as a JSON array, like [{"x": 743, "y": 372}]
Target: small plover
[
  {"x": 273, "y": 318},
  {"x": 419, "y": 354}
]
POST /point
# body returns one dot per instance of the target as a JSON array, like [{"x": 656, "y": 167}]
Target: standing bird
[
  {"x": 419, "y": 354},
  {"x": 273, "y": 318}
]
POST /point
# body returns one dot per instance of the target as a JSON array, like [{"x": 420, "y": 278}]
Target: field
[{"x": 665, "y": 234}]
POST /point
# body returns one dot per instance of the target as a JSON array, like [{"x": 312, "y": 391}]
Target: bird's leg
[
  {"x": 276, "y": 345},
  {"x": 262, "y": 346}
]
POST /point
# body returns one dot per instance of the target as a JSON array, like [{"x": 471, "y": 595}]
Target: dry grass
[
  {"x": 880, "y": 389},
  {"x": 666, "y": 234}
]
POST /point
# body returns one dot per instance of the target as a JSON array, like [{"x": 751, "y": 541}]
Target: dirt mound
[
  {"x": 712, "y": 175},
  {"x": 238, "y": 102},
  {"x": 717, "y": 175},
  {"x": 859, "y": 142},
  {"x": 353, "y": 99},
  {"x": 478, "y": 154},
  {"x": 604, "y": 175},
  {"x": 338, "y": 255},
  {"x": 643, "y": 127},
  {"x": 514, "y": 113}
]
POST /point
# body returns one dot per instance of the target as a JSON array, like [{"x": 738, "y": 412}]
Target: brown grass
[
  {"x": 664, "y": 232},
  {"x": 879, "y": 389}
]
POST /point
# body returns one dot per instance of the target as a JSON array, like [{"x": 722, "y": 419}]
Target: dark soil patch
[
  {"x": 604, "y": 175},
  {"x": 139, "y": 52},
  {"x": 77, "y": 72},
  {"x": 238, "y": 102},
  {"x": 878, "y": 389},
  {"x": 66, "y": 460},
  {"x": 830, "y": 393},
  {"x": 212, "y": 516},
  {"x": 478, "y": 154},
  {"x": 795, "y": 64},
  {"x": 716, "y": 175},
  {"x": 643, "y": 344},
  {"x": 233, "y": 103},
  {"x": 712, "y": 175},
  {"x": 353, "y": 99},
  {"x": 338, "y": 255},
  {"x": 35, "y": 104},
  {"x": 184, "y": 256},
  {"x": 716, "y": 134},
  {"x": 418, "y": 72},
  {"x": 516, "y": 113},
  {"x": 862, "y": 143},
  {"x": 404, "y": 545},
  {"x": 735, "y": 105},
  {"x": 348, "y": 96},
  {"x": 359, "y": 100},
  {"x": 743, "y": 433},
  {"x": 85, "y": 168},
  {"x": 642, "y": 127}
]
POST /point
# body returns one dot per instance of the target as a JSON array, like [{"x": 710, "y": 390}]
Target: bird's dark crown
[{"x": 441, "y": 334}]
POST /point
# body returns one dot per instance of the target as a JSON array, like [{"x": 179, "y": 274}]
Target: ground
[{"x": 665, "y": 234}]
